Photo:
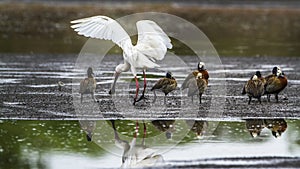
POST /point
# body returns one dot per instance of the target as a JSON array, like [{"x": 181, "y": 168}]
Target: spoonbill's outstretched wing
[
  {"x": 102, "y": 27},
  {"x": 152, "y": 40}
]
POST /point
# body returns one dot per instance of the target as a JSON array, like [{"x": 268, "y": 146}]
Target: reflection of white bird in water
[
  {"x": 152, "y": 44},
  {"x": 136, "y": 156}
]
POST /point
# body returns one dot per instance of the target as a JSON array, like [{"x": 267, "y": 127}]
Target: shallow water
[
  {"x": 61, "y": 144},
  {"x": 29, "y": 89}
]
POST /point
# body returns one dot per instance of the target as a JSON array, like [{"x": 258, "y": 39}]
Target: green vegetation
[{"x": 234, "y": 31}]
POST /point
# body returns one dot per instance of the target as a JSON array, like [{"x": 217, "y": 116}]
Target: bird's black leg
[
  {"x": 137, "y": 90},
  {"x": 276, "y": 97},
  {"x": 81, "y": 98},
  {"x": 268, "y": 97},
  {"x": 165, "y": 99},
  {"x": 200, "y": 95},
  {"x": 259, "y": 100},
  {"x": 249, "y": 100},
  {"x": 113, "y": 86},
  {"x": 93, "y": 96},
  {"x": 145, "y": 85},
  {"x": 154, "y": 96}
]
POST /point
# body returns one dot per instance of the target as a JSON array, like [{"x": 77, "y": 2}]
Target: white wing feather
[
  {"x": 102, "y": 27},
  {"x": 152, "y": 40}
]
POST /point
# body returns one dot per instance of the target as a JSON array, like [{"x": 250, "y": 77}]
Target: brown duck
[
  {"x": 88, "y": 85},
  {"x": 166, "y": 85},
  {"x": 275, "y": 83},
  {"x": 254, "y": 88},
  {"x": 194, "y": 84}
]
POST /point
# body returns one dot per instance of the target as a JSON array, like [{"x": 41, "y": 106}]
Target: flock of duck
[
  {"x": 197, "y": 81},
  {"x": 152, "y": 45}
]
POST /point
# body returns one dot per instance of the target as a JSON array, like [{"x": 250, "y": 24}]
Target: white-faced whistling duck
[
  {"x": 166, "y": 85},
  {"x": 88, "y": 85},
  {"x": 254, "y": 88},
  {"x": 275, "y": 83},
  {"x": 193, "y": 83}
]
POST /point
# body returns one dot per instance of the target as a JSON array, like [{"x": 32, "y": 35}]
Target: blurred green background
[{"x": 236, "y": 28}]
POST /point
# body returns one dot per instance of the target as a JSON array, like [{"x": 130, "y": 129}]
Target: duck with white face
[
  {"x": 196, "y": 83},
  {"x": 254, "y": 88},
  {"x": 165, "y": 85},
  {"x": 88, "y": 85},
  {"x": 275, "y": 83}
]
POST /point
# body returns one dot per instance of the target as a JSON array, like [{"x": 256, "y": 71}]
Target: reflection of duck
[
  {"x": 88, "y": 126},
  {"x": 166, "y": 85},
  {"x": 165, "y": 126},
  {"x": 88, "y": 85},
  {"x": 199, "y": 127},
  {"x": 255, "y": 126},
  {"x": 275, "y": 83},
  {"x": 277, "y": 126},
  {"x": 136, "y": 156},
  {"x": 254, "y": 88},
  {"x": 194, "y": 82}
]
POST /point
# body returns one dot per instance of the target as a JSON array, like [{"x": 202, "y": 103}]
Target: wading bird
[
  {"x": 275, "y": 83},
  {"x": 152, "y": 44},
  {"x": 254, "y": 88},
  {"x": 88, "y": 85},
  {"x": 192, "y": 81},
  {"x": 166, "y": 85}
]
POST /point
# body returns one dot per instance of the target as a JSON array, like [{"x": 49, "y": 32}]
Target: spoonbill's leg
[
  {"x": 137, "y": 90},
  {"x": 145, "y": 85},
  {"x": 112, "y": 88}
]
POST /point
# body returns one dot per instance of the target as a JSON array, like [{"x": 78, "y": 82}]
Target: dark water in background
[{"x": 236, "y": 28}]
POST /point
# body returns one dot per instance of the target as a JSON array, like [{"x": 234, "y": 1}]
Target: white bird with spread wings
[{"x": 152, "y": 44}]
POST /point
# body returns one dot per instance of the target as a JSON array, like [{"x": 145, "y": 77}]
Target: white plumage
[{"x": 152, "y": 43}]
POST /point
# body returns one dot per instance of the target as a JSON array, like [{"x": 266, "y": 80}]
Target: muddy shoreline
[{"x": 29, "y": 91}]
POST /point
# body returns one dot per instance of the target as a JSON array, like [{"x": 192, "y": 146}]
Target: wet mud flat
[{"x": 29, "y": 90}]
